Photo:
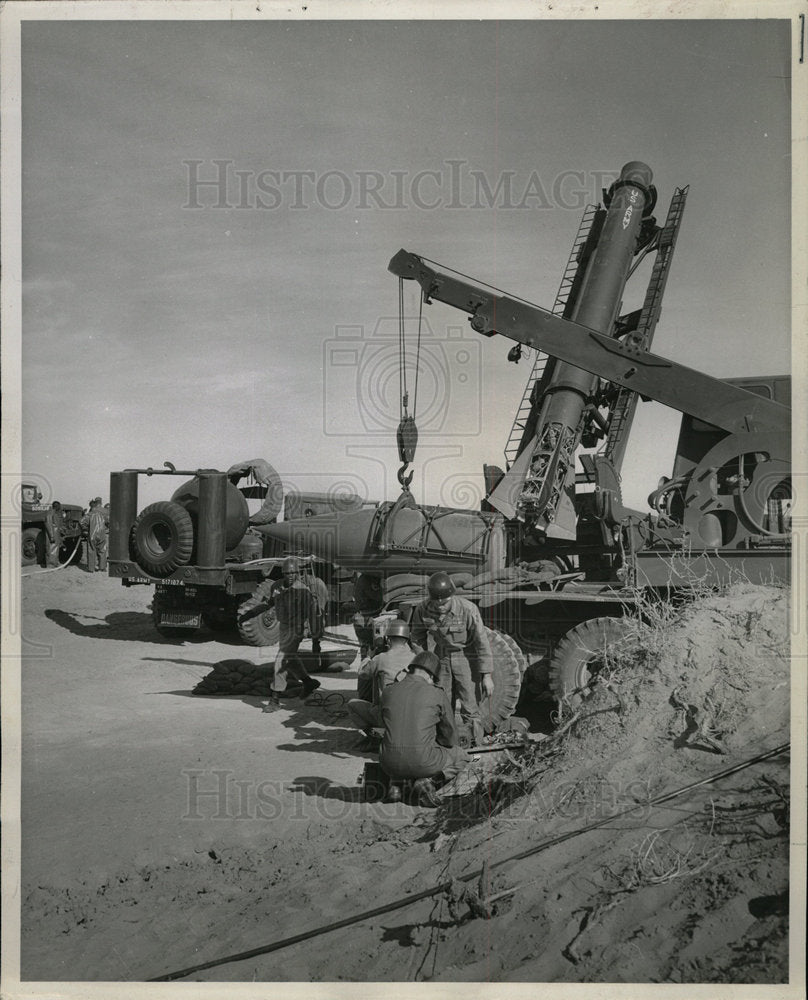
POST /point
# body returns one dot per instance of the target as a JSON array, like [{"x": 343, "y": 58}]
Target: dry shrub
[{"x": 659, "y": 859}]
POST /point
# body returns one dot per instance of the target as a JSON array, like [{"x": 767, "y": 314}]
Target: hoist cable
[
  {"x": 402, "y": 354},
  {"x": 418, "y": 354}
]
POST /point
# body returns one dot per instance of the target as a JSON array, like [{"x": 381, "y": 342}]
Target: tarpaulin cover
[{"x": 263, "y": 473}]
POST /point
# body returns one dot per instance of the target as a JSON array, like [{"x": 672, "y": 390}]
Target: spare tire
[
  {"x": 163, "y": 538},
  {"x": 509, "y": 665}
]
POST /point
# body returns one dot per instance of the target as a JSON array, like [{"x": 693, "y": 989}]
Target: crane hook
[
  {"x": 405, "y": 480},
  {"x": 407, "y": 438}
]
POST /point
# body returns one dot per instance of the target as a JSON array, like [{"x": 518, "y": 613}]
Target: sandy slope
[{"x": 130, "y": 870}]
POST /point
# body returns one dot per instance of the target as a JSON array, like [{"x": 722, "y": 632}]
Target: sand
[{"x": 162, "y": 830}]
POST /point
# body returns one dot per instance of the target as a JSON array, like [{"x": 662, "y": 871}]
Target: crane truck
[{"x": 554, "y": 559}]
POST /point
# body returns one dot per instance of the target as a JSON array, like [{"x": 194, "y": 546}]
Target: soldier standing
[
  {"x": 53, "y": 531},
  {"x": 319, "y": 591},
  {"x": 294, "y": 608},
  {"x": 458, "y": 638},
  {"x": 369, "y": 601},
  {"x": 96, "y": 534}
]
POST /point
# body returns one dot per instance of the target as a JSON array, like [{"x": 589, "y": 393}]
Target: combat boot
[
  {"x": 310, "y": 684},
  {"x": 424, "y": 793},
  {"x": 394, "y": 793}
]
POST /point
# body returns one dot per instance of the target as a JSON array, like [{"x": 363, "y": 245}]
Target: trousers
[
  {"x": 364, "y": 714},
  {"x": 52, "y": 554},
  {"x": 457, "y": 681},
  {"x": 286, "y": 660},
  {"x": 96, "y": 555},
  {"x": 453, "y": 761}
]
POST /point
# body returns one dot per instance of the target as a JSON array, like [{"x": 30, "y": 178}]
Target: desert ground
[{"x": 164, "y": 830}]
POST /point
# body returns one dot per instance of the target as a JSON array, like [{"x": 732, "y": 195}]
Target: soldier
[
  {"x": 459, "y": 640},
  {"x": 95, "y": 531},
  {"x": 319, "y": 591},
  {"x": 385, "y": 668},
  {"x": 53, "y": 531},
  {"x": 294, "y": 607},
  {"x": 102, "y": 539},
  {"x": 420, "y": 739},
  {"x": 369, "y": 601}
]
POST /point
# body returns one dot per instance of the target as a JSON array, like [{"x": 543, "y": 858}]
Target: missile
[
  {"x": 399, "y": 537},
  {"x": 541, "y": 490}
]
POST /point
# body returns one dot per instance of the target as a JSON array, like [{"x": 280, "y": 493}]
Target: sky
[{"x": 168, "y": 317}]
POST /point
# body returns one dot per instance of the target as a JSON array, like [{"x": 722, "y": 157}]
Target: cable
[
  {"x": 418, "y": 355},
  {"x": 333, "y": 704},
  {"x": 402, "y": 354},
  {"x": 399, "y": 904}
]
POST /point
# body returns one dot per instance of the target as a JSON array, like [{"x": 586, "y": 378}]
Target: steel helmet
[
  {"x": 291, "y": 567},
  {"x": 440, "y": 586},
  {"x": 427, "y": 661},
  {"x": 399, "y": 628}
]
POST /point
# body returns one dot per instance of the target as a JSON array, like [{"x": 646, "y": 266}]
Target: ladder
[
  {"x": 536, "y": 372},
  {"x": 622, "y": 413}
]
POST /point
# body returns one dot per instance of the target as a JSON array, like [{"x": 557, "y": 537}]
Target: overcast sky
[{"x": 168, "y": 320}]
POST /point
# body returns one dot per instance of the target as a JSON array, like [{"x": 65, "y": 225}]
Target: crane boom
[{"x": 491, "y": 311}]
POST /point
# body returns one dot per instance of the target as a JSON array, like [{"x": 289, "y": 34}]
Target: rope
[{"x": 444, "y": 887}]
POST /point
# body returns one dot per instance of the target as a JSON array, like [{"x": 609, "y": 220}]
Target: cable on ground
[{"x": 444, "y": 887}]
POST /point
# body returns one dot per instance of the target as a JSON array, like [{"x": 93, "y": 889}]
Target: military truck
[
  {"x": 34, "y": 540},
  {"x": 209, "y": 560}
]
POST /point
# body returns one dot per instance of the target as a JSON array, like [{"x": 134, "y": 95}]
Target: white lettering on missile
[{"x": 627, "y": 216}]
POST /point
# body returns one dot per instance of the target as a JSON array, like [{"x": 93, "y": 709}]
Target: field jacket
[
  {"x": 418, "y": 726},
  {"x": 459, "y": 632}
]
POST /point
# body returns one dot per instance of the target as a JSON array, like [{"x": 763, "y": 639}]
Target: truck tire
[
  {"x": 579, "y": 655},
  {"x": 32, "y": 545},
  {"x": 509, "y": 665},
  {"x": 163, "y": 538},
  {"x": 521, "y": 659},
  {"x": 264, "y": 629}
]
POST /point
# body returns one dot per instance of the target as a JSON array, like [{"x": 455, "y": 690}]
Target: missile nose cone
[
  {"x": 341, "y": 537},
  {"x": 637, "y": 171}
]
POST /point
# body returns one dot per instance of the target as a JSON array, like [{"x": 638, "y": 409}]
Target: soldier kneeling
[{"x": 420, "y": 740}]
